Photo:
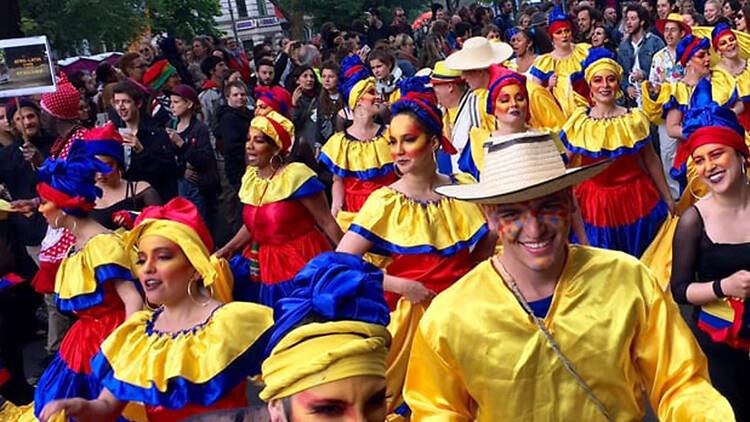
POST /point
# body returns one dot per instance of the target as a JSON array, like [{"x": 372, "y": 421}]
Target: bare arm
[
  {"x": 337, "y": 195},
  {"x": 129, "y": 296},
  {"x": 318, "y": 207},
  {"x": 654, "y": 168},
  {"x": 106, "y": 408},
  {"x": 242, "y": 238},
  {"x": 674, "y": 124}
]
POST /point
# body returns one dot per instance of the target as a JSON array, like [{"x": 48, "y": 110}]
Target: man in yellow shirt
[{"x": 547, "y": 331}]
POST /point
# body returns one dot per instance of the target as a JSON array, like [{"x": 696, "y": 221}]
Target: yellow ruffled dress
[
  {"x": 545, "y": 66},
  {"x": 177, "y": 375}
]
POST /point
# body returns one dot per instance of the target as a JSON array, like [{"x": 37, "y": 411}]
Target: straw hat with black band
[
  {"x": 478, "y": 53},
  {"x": 521, "y": 167}
]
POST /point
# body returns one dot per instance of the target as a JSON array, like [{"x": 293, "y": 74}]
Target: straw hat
[
  {"x": 676, "y": 18},
  {"x": 520, "y": 167},
  {"x": 478, "y": 53}
]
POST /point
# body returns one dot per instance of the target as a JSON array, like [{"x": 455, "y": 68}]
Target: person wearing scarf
[{"x": 195, "y": 348}]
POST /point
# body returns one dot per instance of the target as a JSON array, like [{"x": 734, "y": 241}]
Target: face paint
[
  {"x": 727, "y": 44},
  {"x": 368, "y": 97},
  {"x": 261, "y": 108},
  {"x": 163, "y": 270},
  {"x": 407, "y": 138},
  {"x": 718, "y": 166},
  {"x": 359, "y": 398},
  {"x": 562, "y": 35},
  {"x": 511, "y": 103}
]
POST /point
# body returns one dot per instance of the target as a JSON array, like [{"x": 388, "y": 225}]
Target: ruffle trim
[
  {"x": 545, "y": 65},
  {"x": 606, "y": 138},
  {"x": 347, "y": 157},
  {"x": 632, "y": 238},
  {"x": 198, "y": 366},
  {"x": 401, "y": 225},
  {"x": 295, "y": 181},
  {"x": 102, "y": 274},
  {"x": 60, "y": 382}
]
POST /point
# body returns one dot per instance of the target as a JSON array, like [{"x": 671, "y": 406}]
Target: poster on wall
[{"x": 26, "y": 67}]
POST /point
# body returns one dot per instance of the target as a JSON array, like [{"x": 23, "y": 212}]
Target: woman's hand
[
  {"x": 414, "y": 291},
  {"x": 335, "y": 209},
  {"x": 737, "y": 285},
  {"x": 175, "y": 137},
  {"x": 296, "y": 96},
  {"x": 226, "y": 252},
  {"x": 131, "y": 140},
  {"x": 552, "y": 82},
  {"x": 73, "y": 408}
]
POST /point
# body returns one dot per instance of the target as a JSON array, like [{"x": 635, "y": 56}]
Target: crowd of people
[{"x": 390, "y": 222}]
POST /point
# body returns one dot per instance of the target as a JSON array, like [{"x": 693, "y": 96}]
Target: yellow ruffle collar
[
  {"x": 610, "y": 138},
  {"x": 78, "y": 283},
  {"x": 548, "y": 64},
  {"x": 349, "y": 157},
  {"x": 295, "y": 180},
  {"x": 215, "y": 355},
  {"x": 725, "y": 82},
  {"x": 401, "y": 225}
]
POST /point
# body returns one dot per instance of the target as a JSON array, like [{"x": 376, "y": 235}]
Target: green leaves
[{"x": 184, "y": 18}]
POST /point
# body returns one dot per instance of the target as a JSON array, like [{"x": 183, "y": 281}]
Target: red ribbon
[
  {"x": 286, "y": 140},
  {"x": 181, "y": 211},
  {"x": 63, "y": 200}
]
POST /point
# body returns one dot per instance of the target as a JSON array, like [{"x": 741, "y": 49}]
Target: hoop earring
[
  {"x": 189, "y": 291},
  {"x": 280, "y": 162},
  {"x": 690, "y": 189},
  {"x": 57, "y": 221}
]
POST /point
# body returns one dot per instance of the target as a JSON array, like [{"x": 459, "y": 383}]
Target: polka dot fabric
[{"x": 64, "y": 103}]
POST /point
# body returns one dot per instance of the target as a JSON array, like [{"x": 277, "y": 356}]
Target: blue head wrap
[
  {"x": 336, "y": 287},
  {"x": 688, "y": 46},
  {"x": 352, "y": 72},
  {"x": 420, "y": 99}
]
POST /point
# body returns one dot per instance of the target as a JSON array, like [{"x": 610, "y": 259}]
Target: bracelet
[{"x": 717, "y": 289}]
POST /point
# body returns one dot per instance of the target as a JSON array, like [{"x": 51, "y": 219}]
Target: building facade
[{"x": 254, "y": 21}]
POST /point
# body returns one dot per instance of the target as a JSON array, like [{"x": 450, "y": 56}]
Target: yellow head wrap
[
  {"x": 359, "y": 89},
  {"x": 603, "y": 64},
  {"x": 276, "y": 127},
  {"x": 214, "y": 271},
  {"x": 319, "y": 353}
]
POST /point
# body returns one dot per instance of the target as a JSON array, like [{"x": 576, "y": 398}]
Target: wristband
[{"x": 717, "y": 289}]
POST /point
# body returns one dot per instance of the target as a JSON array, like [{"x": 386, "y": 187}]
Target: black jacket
[
  {"x": 157, "y": 162},
  {"x": 197, "y": 153},
  {"x": 231, "y": 134},
  {"x": 20, "y": 180}
]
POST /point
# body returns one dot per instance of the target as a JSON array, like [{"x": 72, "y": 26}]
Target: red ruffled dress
[
  {"x": 620, "y": 207},
  {"x": 284, "y": 234},
  {"x": 84, "y": 286}
]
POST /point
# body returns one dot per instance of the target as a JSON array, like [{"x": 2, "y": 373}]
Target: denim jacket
[{"x": 626, "y": 57}]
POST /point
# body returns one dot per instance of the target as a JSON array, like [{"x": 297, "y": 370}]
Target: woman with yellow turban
[
  {"x": 358, "y": 157},
  {"x": 193, "y": 353},
  {"x": 624, "y": 206},
  {"x": 284, "y": 207},
  {"x": 327, "y": 354}
]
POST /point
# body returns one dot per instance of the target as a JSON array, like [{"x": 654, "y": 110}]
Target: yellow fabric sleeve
[
  {"x": 545, "y": 112},
  {"x": 346, "y": 155},
  {"x": 584, "y": 134},
  {"x": 257, "y": 191},
  {"x": 77, "y": 273}
]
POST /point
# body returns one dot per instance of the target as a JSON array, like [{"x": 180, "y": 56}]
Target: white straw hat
[
  {"x": 520, "y": 167},
  {"x": 478, "y": 53}
]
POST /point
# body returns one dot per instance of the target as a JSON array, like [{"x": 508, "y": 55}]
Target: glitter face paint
[{"x": 359, "y": 398}]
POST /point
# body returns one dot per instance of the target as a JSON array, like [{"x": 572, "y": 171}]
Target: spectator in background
[
  {"x": 199, "y": 181},
  {"x": 132, "y": 66},
  {"x": 524, "y": 21},
  {"x": 492, "y": 33},
  {"x": 152, "y": 157},
  {"x": 741, "y": 19},
  {"x": 504, "y": 20},
  {"x": 305, "y": 88},
  {"x": 438, "y": 11},
  {"x": 406, "y": 54},
  {"x": 309, "y": 55},
  {"x": 524, "y": 49},
  {"x": 210, "y": 96},
  {"x": 482, "y": 18},
  {"x": 377, "y": 30},
  {"x": 286, "y": 61},
  {"x": 730, "y": 9},
  {"x": 463, "y": 32},
  {"x": 387, "y": 74},
  {"x": 172, "y": 51},
  {"x": 432, "y": 51},
  {"x": 665, "y": 7},
  {"x": 233, "y": 121},
  {"x": 586, "y": 18},
  {"x": 712, "y": 12},
  {"x": 330, "y": 103},
  {"x": 160, "y": 78},
  {"x": 637, "y": 51},
  {"x": 399, "y": 25},
  {"x": 86, "y": 87},
  {"x": 6, "y": 136},
  {"x": 237, "y": 59},
  {"x": 265, "y": 73},
  {"x": 200, "y": 49},
  {"x": 147, "y": 52},
  {"x": 602, "y": 37}
]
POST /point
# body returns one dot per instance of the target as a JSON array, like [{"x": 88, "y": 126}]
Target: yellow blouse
[
  {"x": 726, "y": 83},
  {"x": 606, "y": 137},
  {"x": 402, "y": 225},
  {"x": 348, "y": 157},
  {"x": 478, "y": 356},
  {"x": 545, "y": 66},
  {"x": 295, "y": 180},
  {"x": 213, "y": 356},
  {"x": 676, "y": 95},
  {"x": 78, "y": 283}
]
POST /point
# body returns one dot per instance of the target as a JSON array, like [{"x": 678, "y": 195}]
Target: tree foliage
[{"x": 184, "y": 18}]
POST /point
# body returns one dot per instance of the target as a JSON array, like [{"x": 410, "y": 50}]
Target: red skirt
[{"x": 281, "y": 262}]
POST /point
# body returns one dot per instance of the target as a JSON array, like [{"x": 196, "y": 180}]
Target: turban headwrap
[
  {"x": 345, "y": 294},
  {"x": 355, "y": 79},
  {"x": 180, "y": 222},
  {"x": 69, "y": 182},
  {"x": 420, "y": 99},
  {"x": 720, "y": 30},
  {"x": 500, "y": 77},
  {"x": 277, "y": 127},
  {"x": 558, "y": 19},
  {"x": 105, "y": 140},
  {"x": 275, "y": 97},
  {"x": 688, "y": 46}
]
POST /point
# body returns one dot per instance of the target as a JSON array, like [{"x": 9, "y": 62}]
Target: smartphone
[{"x": 101, "y": 119}]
